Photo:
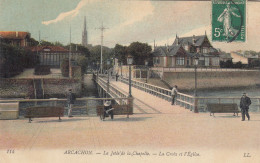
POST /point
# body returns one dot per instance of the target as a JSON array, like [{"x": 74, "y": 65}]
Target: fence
[
  {"x": 199, "y": 69},
  {"x": 188, "y": 101}
]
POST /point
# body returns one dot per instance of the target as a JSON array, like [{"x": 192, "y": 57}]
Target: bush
[
  {"x": 65, "y": 67},
  {"x": 11, "y": 61},
  {"x": 42, "y": 70},
  {"x": 83, "y": 63}
]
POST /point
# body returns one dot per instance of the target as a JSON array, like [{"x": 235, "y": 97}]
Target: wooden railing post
[
  {"x": 258, "y": 104},
  {"x": 87, "y": 107},
  {"x": 196, "y": 105}
]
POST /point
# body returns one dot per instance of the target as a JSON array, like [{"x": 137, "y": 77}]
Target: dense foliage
[
  {"x": 13, "y": 60},
  {"x": 65, "y": 67}
]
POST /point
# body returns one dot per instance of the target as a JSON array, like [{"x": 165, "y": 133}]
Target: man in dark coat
[
  {"x": 108, "y": 110},
  {"x": 174, "y": 93},
  {"x": 70, "y": 100},
  {"x": 244, "y": 105},
  {"x": 117, "y": 76}
]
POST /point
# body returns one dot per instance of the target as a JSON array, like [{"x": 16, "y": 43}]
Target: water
[
  {"x": 251, "y": 92},
  {"x": 79, "y": 108}
]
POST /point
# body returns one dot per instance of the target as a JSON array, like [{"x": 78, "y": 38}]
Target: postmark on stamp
[{"x": 229, "y": 20}]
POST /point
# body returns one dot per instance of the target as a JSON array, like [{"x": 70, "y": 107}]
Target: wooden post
[
  {"x": 87, "y": 107},
  {"x": 258, "y": 104}
]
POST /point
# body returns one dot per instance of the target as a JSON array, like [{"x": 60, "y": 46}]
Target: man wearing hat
[
  {"x": 174, "y": 93},
  {"x": 244, "y": 105},
  {"x": 108, "y": 109},
  {"x": 70, "y": 100}
]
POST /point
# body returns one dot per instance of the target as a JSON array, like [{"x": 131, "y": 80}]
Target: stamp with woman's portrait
[{"x": 229, "y": 20}]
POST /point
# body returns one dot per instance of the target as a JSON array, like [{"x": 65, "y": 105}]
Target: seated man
[{"x": 108, "y": 109}]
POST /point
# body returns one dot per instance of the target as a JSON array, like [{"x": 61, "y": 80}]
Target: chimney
[
  {"x": 193, "y": 39},
  {"x": 177, "y": 40},
  {"x": 153, "y": 44},
  {"x": 16, "y": 33}
]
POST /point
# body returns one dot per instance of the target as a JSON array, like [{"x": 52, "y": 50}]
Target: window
[
  {"x": 207, "y": 61},
  {"x": 180, "y": 60},
  {"x": 186, "y": 47},
  {"x": 204, "y": 50},
  {"x": 215, "y": 61}
]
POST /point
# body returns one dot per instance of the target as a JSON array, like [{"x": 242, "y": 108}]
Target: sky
[{"x": 126, "y": 21}]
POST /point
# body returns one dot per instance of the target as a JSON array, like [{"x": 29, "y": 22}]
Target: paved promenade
[{"x": 155, "y": 126}]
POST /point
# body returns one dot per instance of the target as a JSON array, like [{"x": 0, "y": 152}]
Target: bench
[
  {"x": 44, "y": 111},
  {"x": 118, "y": 110},
  {"x": 222, "y": 108},
  {"x": 9, "y": 110}
]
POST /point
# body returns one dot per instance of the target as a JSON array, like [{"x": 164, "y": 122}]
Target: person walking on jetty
[
  {"x": 244, "y": 105},
  {"x": 174, "y": 94},
  {"x": 117, "y": 76},
  {"x": 70, "y": 100}
]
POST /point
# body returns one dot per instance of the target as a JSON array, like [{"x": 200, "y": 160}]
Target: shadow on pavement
[
  {"x": 130, "y": 119},
  {"x": 225, "y": 116},
  {"x": 57, "y": 120}
]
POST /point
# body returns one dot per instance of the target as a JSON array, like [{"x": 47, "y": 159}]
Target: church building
[{"x": 85, "y": 34}]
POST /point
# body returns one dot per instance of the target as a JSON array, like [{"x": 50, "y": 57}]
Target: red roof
[
  {"x": 48, "y": 49},
  {"x": 14, "y": 34}
]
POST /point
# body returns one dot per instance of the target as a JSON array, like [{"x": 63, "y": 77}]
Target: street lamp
[
  {"x": 196, "y": 62},
  {"x": 108, "y": 63},
  {"x": 121, "y": 63},
  {"x": 130, "y": 62},
  {"x": 146, "y": 66}
]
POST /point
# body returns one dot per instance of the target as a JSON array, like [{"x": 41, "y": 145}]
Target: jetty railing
[
  {"x": 191, "y": 69},
  {"x": 182, "y": 99},
  {"x": 188, "y": 101},
  {"x": 111, "y": 90}
]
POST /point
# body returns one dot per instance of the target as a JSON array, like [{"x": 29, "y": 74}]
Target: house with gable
[
  {"x": 16, "y": 38},
  {"x": 53, "y": 55},
  {"x": 183, "y": 51}
]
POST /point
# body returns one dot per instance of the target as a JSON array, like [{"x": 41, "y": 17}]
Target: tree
[
  {"x": 95, "y": 52},
  {"x": 57, "y": 43},
  {"x": 120, "y": 53},
  {"x": 83, "y": 63},
  {"x": 11, "y": 61},
  {"x": 238, "y": 65},
  {"x": 77, "y": 47},
  {"x": 255, "y": 63},
  {"x": 46, "y": 43},
  {"x": 65, "y": 67},
  {"x": 140, "y": 52}
]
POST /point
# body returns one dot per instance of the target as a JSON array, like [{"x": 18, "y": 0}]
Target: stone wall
[
  {"x": 59, "y": 87},
  {"x": 213, "y": 80},
  {"x": 23, "y": 88},
  {"x": 16, "y": 88}
]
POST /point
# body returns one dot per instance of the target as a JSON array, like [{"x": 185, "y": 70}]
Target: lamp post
[
  {"x": 196, "y": 62},
  {"x": 97, "y": 71},
  {"x": 146, "y": 66},
  {"x": 121, "y": 63},
  {"x": 130, "y": 62},
  {"x": 108, "y": 63}
]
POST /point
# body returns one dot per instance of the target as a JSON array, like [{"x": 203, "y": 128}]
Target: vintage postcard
[{"x": 129, "y": 81}]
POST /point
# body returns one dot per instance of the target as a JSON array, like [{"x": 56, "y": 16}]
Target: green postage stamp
[{"x": 229, "y": 20}]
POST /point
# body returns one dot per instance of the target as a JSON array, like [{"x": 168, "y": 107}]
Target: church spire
[{"x": 85, "y": 33}]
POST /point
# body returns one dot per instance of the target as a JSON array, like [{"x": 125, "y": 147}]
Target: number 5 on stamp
[{"x": 229, "y": 20}]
